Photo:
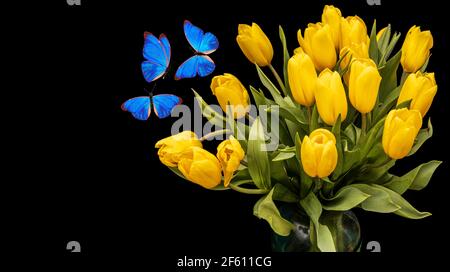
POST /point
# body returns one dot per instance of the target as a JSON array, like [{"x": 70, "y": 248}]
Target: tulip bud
[
  {"x": 319, "y": 154},
  {"x": 332, "y": 17},
  {"x": 318, "y": 44},
  {"x": 421, "y": 88},
  {"x": 416, "y": 49},
  {"x": 363, "y": 84},
  {"x": 400, "y": 131},
  {"x": 353, "y": 30},
  {"x": 171, "y": 148},
  {"x": 330, "y": 97},
  {"x": 230, "y": 155},
  {"x": 231, "y": 94},
  {"x": 200, "y": 167},
  {"x": 254, "y": 44},
  {"x": 302, "y": 78}
]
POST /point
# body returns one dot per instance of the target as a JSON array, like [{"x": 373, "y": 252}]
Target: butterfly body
[{"x": 141, "y": 107}]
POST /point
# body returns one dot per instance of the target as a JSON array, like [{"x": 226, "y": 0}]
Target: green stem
[
  {"x": 244, "y": 163},
  {"x": 363, "y": 123},
  {"x": 278, "y": 78},
  {"x": 404, "y": 76},
  {"x": 214, "y": 134},
  {"x": 308, "y": 109},
  {"x": 235, "y": 186}
]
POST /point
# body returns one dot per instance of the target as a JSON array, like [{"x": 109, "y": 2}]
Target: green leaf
[
  {"x": 213, "y": 116},
  {"x": 272, "y": 88},
  {"x": 379, "y": 200},
  {"x": 352, "y": 133},
  {"x": 416, "y": 179},
  {"x": 406, "y": 210},
  {"x": 337, "y": 133},
  {"x": 285, "y": 61},
  {"x": 373, "y": 46},
  {"x": 387, "y": 53},
  {"x": 265, "y": 209},
  {"x": 313, "y": 209},
  {"x": 260, "y": 99},
  {"x": 422, "y": 137},
  {"x": 291, "y": 114},
  {"x": 282, "y": 193},
  {"x": 314, "y": 119},
  {"x": 258, "y": 160},
  {"x": 384, "y": 40},
  {"x": 345, "y": 199},
  {"x": 375, "y": 174},
  {"x": 284, "y": 156},
  {"x": 389, "y": 76}
]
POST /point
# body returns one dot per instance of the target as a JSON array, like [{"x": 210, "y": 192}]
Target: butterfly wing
[
  {"x": 201, "y": 42},
  {"x": 139, "y": 107},
  {"x": 157, "y": 54},
  {"x": 197, "y": 65},
  {"x": 163, "y": 104}
]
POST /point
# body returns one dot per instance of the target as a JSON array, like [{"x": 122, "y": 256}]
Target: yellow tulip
[
  {"x": 171, "y": 148},
  {"x": 319, "y": 154},
  {"x": 416, "y": 49},
  {"x": 200, "y": 167},
  {"x": 230, "y": 92},
  {"x": 421, "y": 88},
  {"x": 400, "y": 130},
  {"x": 354, "y": 51},
  {"x": 302, "y": 78},
  {"x": 230, "y": 155},
  {"x": 332, "y": 17},
  {"x": 363, "y": 84},
  {"x": 380, "y": 33},
  {"x": 254, "y": 44},
  {"x": 353, "y": 30},
  {"x": 330, "y": 97},
  {"x": 318, "y": 44}
]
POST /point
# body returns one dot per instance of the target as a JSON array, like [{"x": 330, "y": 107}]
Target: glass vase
[{"x": 343, "y": 225}]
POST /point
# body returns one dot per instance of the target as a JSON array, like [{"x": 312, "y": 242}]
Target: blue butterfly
[
  {"x": 140, "y": 107},
  {"x": 203, "y": 44},
  {"x": 157, "y": 54}
]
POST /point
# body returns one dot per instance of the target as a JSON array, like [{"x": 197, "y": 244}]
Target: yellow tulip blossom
[
  {"x": 230, "y": 92},
  {"x": 330, "y": 97},
  {"x": 230, "y": 155},
  {"x": 171, "y": 148},
  {"x": 200, "y": 167},
  {"x": 421, "y": 88},
  {"x": 363, "y": 84},
  {"x": 318, "y": 44},
  {"x": 416, "y": 49},
  {"x": 400, "y": 130},
  {"x": 302, "y": 78},
  {"x": 254, "y": 44},
  {"x": 319, "y": 153}
]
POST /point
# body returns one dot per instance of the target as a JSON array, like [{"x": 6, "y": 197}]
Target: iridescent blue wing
[
  {"x": 157, "y": 55},
  {"x": 163, "y": 104},
  {"x": 201, "y": 42},
  {"x": 139, "y": 107},
  {"x": 197, "y": 65}
]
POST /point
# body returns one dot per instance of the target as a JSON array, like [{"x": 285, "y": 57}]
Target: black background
[{"x": 95, "y": 176}]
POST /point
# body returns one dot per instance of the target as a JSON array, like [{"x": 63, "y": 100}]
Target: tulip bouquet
[{"x": 343, "y": 118}]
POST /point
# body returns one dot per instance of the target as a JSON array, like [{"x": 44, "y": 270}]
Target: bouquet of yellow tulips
[{"x": 342, "y": 115}]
